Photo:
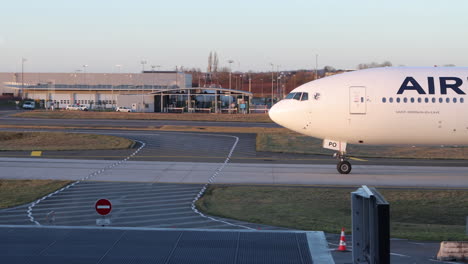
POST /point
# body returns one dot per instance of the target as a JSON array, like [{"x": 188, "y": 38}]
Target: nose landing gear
[{"x": 343, "y": 166}]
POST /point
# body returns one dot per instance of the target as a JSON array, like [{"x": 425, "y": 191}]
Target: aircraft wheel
[{"x": 344, "y": 167}]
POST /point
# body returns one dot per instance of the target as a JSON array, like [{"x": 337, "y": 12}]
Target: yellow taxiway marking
[
  {"x": 36, "y": 153},
  {"x": 357, "y": 159}
]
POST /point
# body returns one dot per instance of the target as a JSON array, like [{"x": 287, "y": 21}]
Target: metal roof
[{"x": 203, "y": 88}]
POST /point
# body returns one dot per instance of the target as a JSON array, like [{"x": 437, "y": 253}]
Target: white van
[{"x": 29, "y": 105}]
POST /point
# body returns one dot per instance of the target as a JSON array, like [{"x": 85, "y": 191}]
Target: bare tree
[
  {"x": 215, "y": 62},
  {"x": 210, "y": 62},
  {"x": 329, "y": 69},
  {"x": 374, "y": 65}
]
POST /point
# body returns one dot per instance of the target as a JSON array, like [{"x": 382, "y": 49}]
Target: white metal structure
[
  {"x": 76, "y": 107},
  {"x": 123, "y": 109},
  {"x": 397, "y": 105}
]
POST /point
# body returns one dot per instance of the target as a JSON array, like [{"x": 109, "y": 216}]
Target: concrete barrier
[{"x": 453, "y": 250}]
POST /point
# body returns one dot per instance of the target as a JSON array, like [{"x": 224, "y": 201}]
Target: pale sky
[{"x": 63, "y": 35}]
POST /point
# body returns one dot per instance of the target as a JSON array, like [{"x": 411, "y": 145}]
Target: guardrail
[{"x": 371, "y": 227}]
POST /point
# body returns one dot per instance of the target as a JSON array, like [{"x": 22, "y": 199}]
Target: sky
[{"x": 64, "y": 35}]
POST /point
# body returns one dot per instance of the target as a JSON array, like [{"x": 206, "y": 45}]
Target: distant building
[
  {"x": 159, "y": 91},
  {"x": 94, "y": 90}
]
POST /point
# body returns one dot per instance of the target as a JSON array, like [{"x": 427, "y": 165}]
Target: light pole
[
  {"x": 143, "y": 62},
  {"x": 230, "y": 73},
  {"x": 113, "y": 97},
  {"x": 23, "y": 60},
  {"x": 316, "y": 66},
  {"x": 154, "y": 81},
  {"x": 261, "y": 81},
  {"x": 272, "y": 82},
  {"x": 89, "y": 88},
  {"x": 278, "y": 77}
]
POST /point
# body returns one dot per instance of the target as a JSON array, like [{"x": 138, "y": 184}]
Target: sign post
[{"x": 103, "y": 207}]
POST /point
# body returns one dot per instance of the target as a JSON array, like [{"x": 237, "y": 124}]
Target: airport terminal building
[{"x": 149, "y": 91}]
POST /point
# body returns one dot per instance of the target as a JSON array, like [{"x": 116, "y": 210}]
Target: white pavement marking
[
  {"x": 95, "y": 173},
  {"x": 210, "y": 181}
]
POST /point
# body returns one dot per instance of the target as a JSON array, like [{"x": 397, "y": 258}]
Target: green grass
[
  {"x": 291, "y": 142},
  {"x": 22, "y": 141},
  {"x": 415, "y": 214},
  {"x": 17, "y": 192},
  {"x": 64, "y": 114}
]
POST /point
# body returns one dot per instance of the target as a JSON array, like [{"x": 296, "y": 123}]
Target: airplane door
[{"x": 357, "y": 100}]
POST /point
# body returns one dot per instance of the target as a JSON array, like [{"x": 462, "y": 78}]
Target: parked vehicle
[
  {"x": 76, "y": 107},
  {"x": 123, "y": 109},
  {"x": 29, "y": 105}
]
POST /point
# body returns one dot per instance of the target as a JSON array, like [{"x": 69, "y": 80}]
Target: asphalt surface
[
  {"x": 135, "y": 205},
  {"x": 80, "y": 245},
  {"x": 191, "y": 148},
  {"x": 210, "y": 147}
]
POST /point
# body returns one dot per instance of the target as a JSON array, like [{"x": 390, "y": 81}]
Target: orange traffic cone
[{"x": 342, "y": 246}]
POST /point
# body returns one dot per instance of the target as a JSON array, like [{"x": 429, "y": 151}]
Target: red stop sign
[{"x": 103, "y": 206}]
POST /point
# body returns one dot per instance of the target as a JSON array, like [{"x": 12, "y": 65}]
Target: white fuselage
[{"x": 393, "y": 105}]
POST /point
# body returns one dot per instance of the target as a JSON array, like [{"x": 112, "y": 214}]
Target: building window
[
  {"x": 433, "y": 99},
  {"x": 454, "y": 100},
  {"x": 390, "y": 99},
  {"x": 405, "y": 100},
  {"x": 384, "y": 100},
  {"x": 398, "y": 100},
  {"x": 462, "y": 100},
  {"x": 447, "y": 100}
]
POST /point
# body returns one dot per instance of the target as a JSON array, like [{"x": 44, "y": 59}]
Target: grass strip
[
  {"x": 290, "y": 142},
  {"x": 419, "y": 214},
  {"x": 25, "y": 141},
  {"x": 284, "y": 140},
  {"x": 64, "y": 114},
  {"x": 17, "y": 192}
]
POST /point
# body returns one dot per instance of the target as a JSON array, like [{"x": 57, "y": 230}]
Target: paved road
[
  {"x": 210, "y": 147},
  {"x": 238, "y": 173},
  {"x": 111, "y": 245}
]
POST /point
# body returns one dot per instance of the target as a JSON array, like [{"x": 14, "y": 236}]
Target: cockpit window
[{"x": 298, "y": 96}]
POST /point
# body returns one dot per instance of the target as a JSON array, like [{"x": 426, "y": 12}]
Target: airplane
[{"x": 380, "y": 106}]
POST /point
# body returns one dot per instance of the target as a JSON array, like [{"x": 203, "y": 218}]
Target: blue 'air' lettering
[
  {"x": 453, "y": 83},
  {"x": 454, "y": 86}
]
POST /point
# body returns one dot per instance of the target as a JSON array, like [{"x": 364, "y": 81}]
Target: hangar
[{"x": 191, "y": 100}]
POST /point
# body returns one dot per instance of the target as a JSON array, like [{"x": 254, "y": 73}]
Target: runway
[{"x": 235, "y": 173}]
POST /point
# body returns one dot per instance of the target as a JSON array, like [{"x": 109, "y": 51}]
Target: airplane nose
[{"x": 278, "y": 113}]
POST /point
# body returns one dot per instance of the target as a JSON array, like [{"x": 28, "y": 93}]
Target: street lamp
[
  {"x": 316, "y": 66},
  {"x": 261, "y": 81},
  {"x": 272, "y": 82},
  {"x": 143, "y": 62},
  {"x": 113, "y": 97},
  {"x": 230, "y": 72},
  {"x": 23, "y": 60},
  {"x": 89, "y": 88}
]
